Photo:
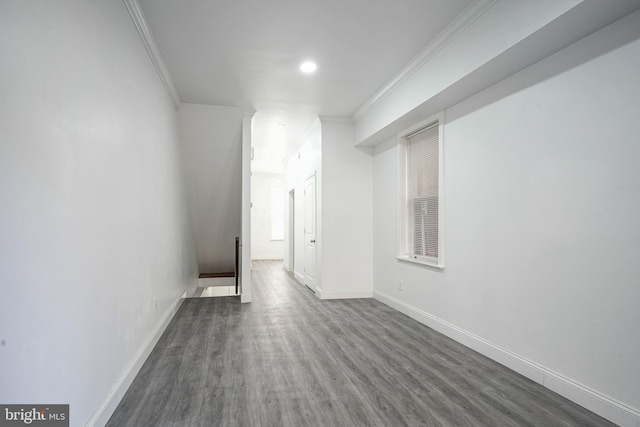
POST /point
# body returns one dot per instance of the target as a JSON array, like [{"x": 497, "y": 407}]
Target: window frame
[{"x": 403, "y": 250}]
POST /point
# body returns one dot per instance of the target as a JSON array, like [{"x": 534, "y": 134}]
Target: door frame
[
  {"x": 292, "y": 229},
  {"x": 315, "y": 283}
]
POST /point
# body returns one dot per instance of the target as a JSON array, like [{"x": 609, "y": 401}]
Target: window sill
[{"x": 419, "y": 262}]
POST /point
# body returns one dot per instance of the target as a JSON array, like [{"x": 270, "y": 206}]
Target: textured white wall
[
  {"x": 542, "y": 200},
  {"x": 212, "y": 151},
  {"x": 262, "y": 246},
  {"x": 93, "y": 222}
]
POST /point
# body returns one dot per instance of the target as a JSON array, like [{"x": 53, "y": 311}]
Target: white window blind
[{"x": 422, "y": 193}]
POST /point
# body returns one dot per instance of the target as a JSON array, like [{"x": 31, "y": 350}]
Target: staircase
[{"x": 227, "y": 280}]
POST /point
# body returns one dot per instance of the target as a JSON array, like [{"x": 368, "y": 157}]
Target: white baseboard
[
  {"x": 110, "y": 403},
  {"x": 266, "y": 258},
  {"x": 346, "y": 295},
  {"x": 584, "y": 396},
  {"x": 245, "y": 297},
  {"x": 299, "y": 277}
]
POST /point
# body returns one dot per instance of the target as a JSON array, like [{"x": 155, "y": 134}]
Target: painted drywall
[
  {"x": 245, "y": 229},
  {"x": 542, "y": 196},
  {"x": 300, "y": 165},
  {"x": 289, "y": 260},
  {"x": 344, "y": 220},
  {"x": 485, "y": 35},
  {"x": 212, "y": 148},
  {"x": 490, "y": 41},
  {"x": 347, "y": 174},
  {"x": 95, "y": 246},
  {"x": 262, "y": 245}
]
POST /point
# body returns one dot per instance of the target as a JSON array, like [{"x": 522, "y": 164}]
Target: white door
[
  {"x": 310, "y": 232},
  {"x": 292, "y": 230}
]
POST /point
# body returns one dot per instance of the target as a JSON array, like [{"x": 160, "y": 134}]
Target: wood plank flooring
[{"x": 289, "y": 359}]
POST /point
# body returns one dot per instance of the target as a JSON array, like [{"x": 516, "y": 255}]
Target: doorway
[
  {"x": 310, "y": 232},
  {"x": 292, "y": 204}
]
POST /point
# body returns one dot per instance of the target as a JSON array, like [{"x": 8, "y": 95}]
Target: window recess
[{"x": 420, "y": 208}]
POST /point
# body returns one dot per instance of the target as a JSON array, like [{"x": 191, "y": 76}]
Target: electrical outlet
[{"x": 400, "y": 284}]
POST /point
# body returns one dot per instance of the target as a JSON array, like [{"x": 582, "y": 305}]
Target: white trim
[
  {"x": 405, "y": 258},
  {"x": 312, "y": 175},
  {"x": 592, "y": 400},
  {"x": 152, "y": 48},
  {"x": 346, "y": 295},
  {"x": 336, "y": 119},
  {"x": 316, "y": 281},
  {"x": 111, "y": 401},
  {"x": 429, "y": 122},
  {"x": 299, "y": 277},
  {"x": 246, "y": 265},
  {"x": 459, "y": 24}
]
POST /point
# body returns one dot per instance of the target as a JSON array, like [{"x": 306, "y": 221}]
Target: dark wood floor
[{"x": 289, "y": 359}]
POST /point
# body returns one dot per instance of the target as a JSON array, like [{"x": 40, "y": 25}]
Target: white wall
[
  {"x": 288, "y": 247},
  {"x": 542, "y": 200},
  {"x": 489, "y": 41},
  {"x": 346, "y": 212},
  {"x": 245, "y": 230},
  {"x": 300, "y": 165},
  {"x": 343, "y": 204},
  {"x": 212, "y": 146},
  {"x": 93, "y": 219},
  {"x": 485, "y": 35},
  {"x": 262, "y": 246}
]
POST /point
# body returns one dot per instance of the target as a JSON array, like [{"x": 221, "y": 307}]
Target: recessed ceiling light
[
  {"x": 308, "y": 67},
  {"x": 281, "y": 125}
]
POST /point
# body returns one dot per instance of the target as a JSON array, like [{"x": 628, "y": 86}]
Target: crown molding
[
  {"x": 457, "y": 26},
  {"x": 248, "y": 113},
  {"x": 335, "y": 119},
  {"x": 152, "y": 48}
]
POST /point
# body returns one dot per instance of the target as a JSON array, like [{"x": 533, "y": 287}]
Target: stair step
[{"x": 216, "y": 275}]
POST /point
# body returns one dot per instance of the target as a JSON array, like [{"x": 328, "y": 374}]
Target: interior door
[
  {"x": 292, "y": 230},
  {"x": 310, "y": 232}
]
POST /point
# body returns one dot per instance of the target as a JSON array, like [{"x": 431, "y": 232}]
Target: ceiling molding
[
  {"x": 152, "y": 48},
  {"x": 335, "y": 119},
  {"x": 457, "y": 26},
  {"x": 248, "y": 113}
]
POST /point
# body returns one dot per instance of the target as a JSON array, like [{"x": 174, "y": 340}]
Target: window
[
  {"x": 420, "y": 231},
  {"x": 277, "y": 213}
]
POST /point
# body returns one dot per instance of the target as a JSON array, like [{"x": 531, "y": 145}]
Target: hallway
[{"x": 291, "y": 359}]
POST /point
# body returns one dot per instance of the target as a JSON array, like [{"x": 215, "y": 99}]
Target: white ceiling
[{"x": 246, "y": 53}]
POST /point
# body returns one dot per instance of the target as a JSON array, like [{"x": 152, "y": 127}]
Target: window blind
[{"x": 422, "y": 193}]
